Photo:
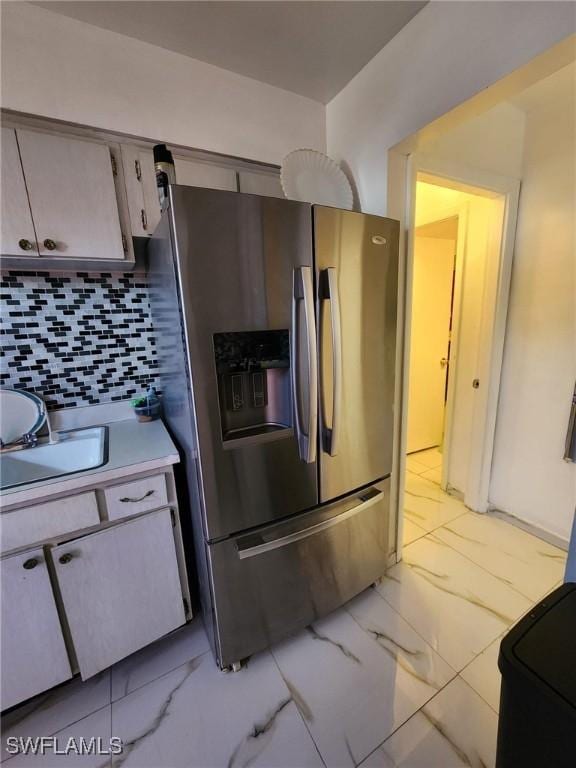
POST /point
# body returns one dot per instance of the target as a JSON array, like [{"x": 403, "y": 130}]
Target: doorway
[
  {"x": 434, "y": 276},
  {"x": 454, "y": 305}
]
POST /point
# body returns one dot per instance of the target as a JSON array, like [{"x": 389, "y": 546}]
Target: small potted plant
[{"x": 147, "y": 407}]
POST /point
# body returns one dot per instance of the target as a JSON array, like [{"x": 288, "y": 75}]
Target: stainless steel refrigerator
[{"x": 276, "y": 329}]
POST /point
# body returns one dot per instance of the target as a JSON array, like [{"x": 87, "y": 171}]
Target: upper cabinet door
[
  {"x": 266, "y": 184},
  {"x": 17, "y": 231},
  {"x": 140, "y": 179},
  {"x": 72, "y": 196}
]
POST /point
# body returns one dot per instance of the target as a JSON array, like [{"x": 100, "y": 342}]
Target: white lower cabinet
[
  {"x": 120, "y": 589},
  {"x": 34, "y": 655}
]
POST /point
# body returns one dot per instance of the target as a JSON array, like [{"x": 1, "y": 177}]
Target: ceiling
[
  {"x": 443, "y": 229},
  {"x": 311, "y": 48}
]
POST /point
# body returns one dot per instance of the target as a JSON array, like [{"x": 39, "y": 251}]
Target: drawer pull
[
  {"x": 370, "y": 497},
  {"x": 65, "y": 558},
  {"x": 31, "y": 563},
  {"x": 127, "y": 499}
]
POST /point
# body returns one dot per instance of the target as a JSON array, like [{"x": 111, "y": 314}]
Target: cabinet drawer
[
  {"x": 26, "y": 526},
  {"x": 137, "y": 496}
]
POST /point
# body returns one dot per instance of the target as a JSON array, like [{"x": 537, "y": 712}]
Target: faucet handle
[{"x": 28, "y": 440}]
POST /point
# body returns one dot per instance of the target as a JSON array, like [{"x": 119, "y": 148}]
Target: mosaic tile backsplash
[{"x": 76, "y": 339}]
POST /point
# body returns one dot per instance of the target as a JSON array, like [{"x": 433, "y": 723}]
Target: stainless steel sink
[{"x": 76, "y": 451}]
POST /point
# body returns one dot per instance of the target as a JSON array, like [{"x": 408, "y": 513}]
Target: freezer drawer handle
[
  {"x": 328, "y": 291},
  {"x": 367, "y": 499},
  {"x": 302, "y": 291}
]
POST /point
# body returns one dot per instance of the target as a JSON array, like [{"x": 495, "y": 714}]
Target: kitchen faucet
[{"x": 53, "y": 436}]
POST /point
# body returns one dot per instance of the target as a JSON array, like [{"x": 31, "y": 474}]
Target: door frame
[{"x": 402, "y": 205}]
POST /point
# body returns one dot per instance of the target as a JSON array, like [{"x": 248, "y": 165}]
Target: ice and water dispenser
[{"x": 253, "y": 370}]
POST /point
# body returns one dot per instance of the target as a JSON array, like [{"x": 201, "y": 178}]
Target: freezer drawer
[{"x": 280, "y": 578}]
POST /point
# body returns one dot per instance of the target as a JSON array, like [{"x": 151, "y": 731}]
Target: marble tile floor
[
  {"x": 426, "y": 464},
  {"x": 421, "y": 461},
  {"x": 404, "y": 675}
]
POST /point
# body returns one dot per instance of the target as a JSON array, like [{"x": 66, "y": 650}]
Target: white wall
[
  {"x": 62, "y": 68},
  {"x": 493, "y": 141},
  {"x": 446, "y": 54},
  {"x": 529, "y": 479}
]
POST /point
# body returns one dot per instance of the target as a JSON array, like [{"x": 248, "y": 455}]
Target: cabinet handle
[
  {"x": 134, "y": 501},
  {"x": 65, "y": 558},
  {"x": 50, "y": 245},
  {"x": 31, "y": 563},
  {"x": 26, "y": 245}
]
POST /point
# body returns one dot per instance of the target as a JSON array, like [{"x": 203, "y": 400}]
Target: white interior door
[
  {"x": 34, "y": 657},
  {"x": 434, "y": 259},
  {"x": 72, "y": 195},
  {"x": 120, "y": 588},
  {"x": 17, "y": 230}
]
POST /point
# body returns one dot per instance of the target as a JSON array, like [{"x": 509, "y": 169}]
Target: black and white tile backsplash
[{"x": 76, "y": 339}]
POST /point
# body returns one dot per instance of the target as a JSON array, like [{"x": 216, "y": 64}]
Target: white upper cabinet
[
  {"x": 17, "y": 231},
  {"x": 266, "y": 184},
  {"x": 143, "y": 205},
  {"x": 141, "y": 184},
  {"x": 72, "y": 195}
]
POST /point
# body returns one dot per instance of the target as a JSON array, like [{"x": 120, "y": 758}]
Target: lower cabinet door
[
  {"x": 34, "y": 657},
  {"x": 120, "y": 588}
]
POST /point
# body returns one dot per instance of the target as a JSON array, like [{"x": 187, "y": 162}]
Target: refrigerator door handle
[
  {"x": 570, "y": 445},
  {"x": 329, "y": 292},
  {"x": 367, "y": 499},
  {"x": 306, "y": 436}
]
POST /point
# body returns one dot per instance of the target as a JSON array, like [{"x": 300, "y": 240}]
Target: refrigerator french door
[
  {"x": 356, "y": 263},
  {"x": 236, "y": 256},
  {"x": 276, "y": 331}
]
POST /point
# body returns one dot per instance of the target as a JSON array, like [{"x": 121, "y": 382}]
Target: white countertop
[{"x": 132, "y": 445}]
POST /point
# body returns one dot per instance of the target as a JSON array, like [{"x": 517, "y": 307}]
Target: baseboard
[
  {"x": 451, "y": 491},
  {"x": 540, "y": 533}
]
